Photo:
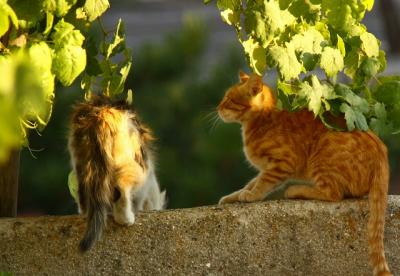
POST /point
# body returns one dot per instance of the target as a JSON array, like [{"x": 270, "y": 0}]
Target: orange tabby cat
[{"x": 293, "y": 145}]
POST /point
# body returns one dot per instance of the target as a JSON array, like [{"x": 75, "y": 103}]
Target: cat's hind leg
[
  {"x": 122, "y": 207},
  {"x": 324, "y": 188}
]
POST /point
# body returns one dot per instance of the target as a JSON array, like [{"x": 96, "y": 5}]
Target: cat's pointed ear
[
  {"x": 255, "y": 84},
  {"x": 243, "y": 76}
]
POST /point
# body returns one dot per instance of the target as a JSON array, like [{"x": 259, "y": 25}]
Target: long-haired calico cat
[
  {"x": 112, "y": 160},
  {"x": 293, "y": 145}
]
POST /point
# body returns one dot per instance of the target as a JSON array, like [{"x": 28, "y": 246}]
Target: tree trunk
[{"x": 9, "y": 185}]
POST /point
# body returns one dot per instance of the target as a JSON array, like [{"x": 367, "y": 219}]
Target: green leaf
[
  {"x": 369, "y": 44},
  {"x": 352, "y": 61},
  {"x": 4, "y": 23},
  {"x": 28, "y": 12},
  {"x": 351, "y": 98},
  {"x": 66, "y": 34},
  {"x": 63, "y": 6},
  {"x": 354, "y": 118},
  {"x": 118, "y": 78},
  {"x": 368, "y": 3},
  {"x": 388, "y": 92},
  {"x": 230, "y": 17},
  {"x": 286, "y": 88},
  {"x": 7, "y": 14},
  {"x": 288, "y": 65},
  {"x": 10, "y": 132},
  {"x": 379, "y": 124},
  {"x": 394, "y": 115},
  {"x": 339, "y": 13},
  {"x": 305, "y": 9},
  {"x": 309, "y": 41},
  {"x": 331, "y": 61},
  {"x": 382, "y": 60},
  {"x": 370, "y": 67},
  {"x": 7, "y": 73},
  {"x": 383, "y": 79},
  {"x": 118, "y": 44},
  {"x": 40, "y": 56},
  {"x": 229, "y": 4},
  {"x": 316, "y": 94},
  {"x": 69, "y": 61},
  {"x": 276, "y": 19},
  {"x": 73, "y": 186},
  {"x": 49, "y": 23},
  {"x": 284, "y": 4},
  {"x": 256, "y": 56},
  {"x": 340, "y": 45},
  {"x": 95, "y": 8}
]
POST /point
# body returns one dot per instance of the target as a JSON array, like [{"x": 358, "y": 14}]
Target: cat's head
[{"x": 244, "y": 98}]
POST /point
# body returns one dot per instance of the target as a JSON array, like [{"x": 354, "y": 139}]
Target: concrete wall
[{"x": 268, "y": 238}]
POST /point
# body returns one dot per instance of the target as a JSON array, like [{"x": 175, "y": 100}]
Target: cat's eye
[{"x": 117, "y": 194}]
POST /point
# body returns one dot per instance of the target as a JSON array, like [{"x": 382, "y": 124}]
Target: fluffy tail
[
  {"x": 91, "y": 144},
  {"x": 376, "y": 222}
]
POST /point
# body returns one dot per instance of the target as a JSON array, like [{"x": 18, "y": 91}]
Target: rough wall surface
[{"x": 268, "y": 238}]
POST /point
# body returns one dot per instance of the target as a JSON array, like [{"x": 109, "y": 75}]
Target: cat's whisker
[
  {"x": 209, "y": 115},
  {"x": 215, "y": 122}
]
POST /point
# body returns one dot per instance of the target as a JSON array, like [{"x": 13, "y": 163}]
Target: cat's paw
[
  {"x": 248, "y": 196},
  {"x": 225, "y": 200}
]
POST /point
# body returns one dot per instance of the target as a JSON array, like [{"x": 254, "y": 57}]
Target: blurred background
[{"x": 184, "y": 58}]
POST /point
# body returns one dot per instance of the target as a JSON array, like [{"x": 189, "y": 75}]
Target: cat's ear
[
  {"x": 243, "y": 76},
  {"x": 255, "y": 84}
]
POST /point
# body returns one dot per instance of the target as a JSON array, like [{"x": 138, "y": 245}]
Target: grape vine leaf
[
  {"x": 95, "y": 8},
  {"x": 354, "y": 118},
  {"x": 370, "y": 44},
  {"x": 6, "y": 15},
  {"x": 69, "y": 57},
  {"x": 331, "y": 61},
  {"x": 285, "y": 58},
  {"x": 388, "y": 92},
  {"x": 256, "y": 55},
  {"x": 276, "y": 19},
  {"x": 316, "y": 94},
  {"x": 68, "y": 63},
  {"x": 66, "y": 34},
  {"x": 229, "y": 4},
  {"x": 29, "y": 13},
  {"x": 73, "y": 186},
  {"x": 230, "y": 17},
  {"x": 10, "y": 132},
  {"x": 379, "y": 123},
  {"x": 309, "y": 41}
]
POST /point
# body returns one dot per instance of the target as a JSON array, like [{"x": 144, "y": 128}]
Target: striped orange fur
[{"x": 294, "y": 145}]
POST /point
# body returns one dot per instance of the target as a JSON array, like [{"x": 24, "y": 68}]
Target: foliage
[
  {"x": 44, "y": 41},
  {"x": 299, "y": 37}
]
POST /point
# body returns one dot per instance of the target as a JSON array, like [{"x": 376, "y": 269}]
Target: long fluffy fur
[
  {"x": 110, "y": 154},
  {"x": 294, "y": 145}
]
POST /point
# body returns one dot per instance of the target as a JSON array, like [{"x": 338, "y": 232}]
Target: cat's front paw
[
  {"x": 248, "y": 196},
  {"x": 226, "y": 199}
]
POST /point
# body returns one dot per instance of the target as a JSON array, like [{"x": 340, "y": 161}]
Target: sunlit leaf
[{"x": 95, "y": 8}]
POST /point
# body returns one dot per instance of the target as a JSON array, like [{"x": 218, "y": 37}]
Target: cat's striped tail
[
  {"x": 95, "y": 184},
  {"x": 376, "y": 223}
]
